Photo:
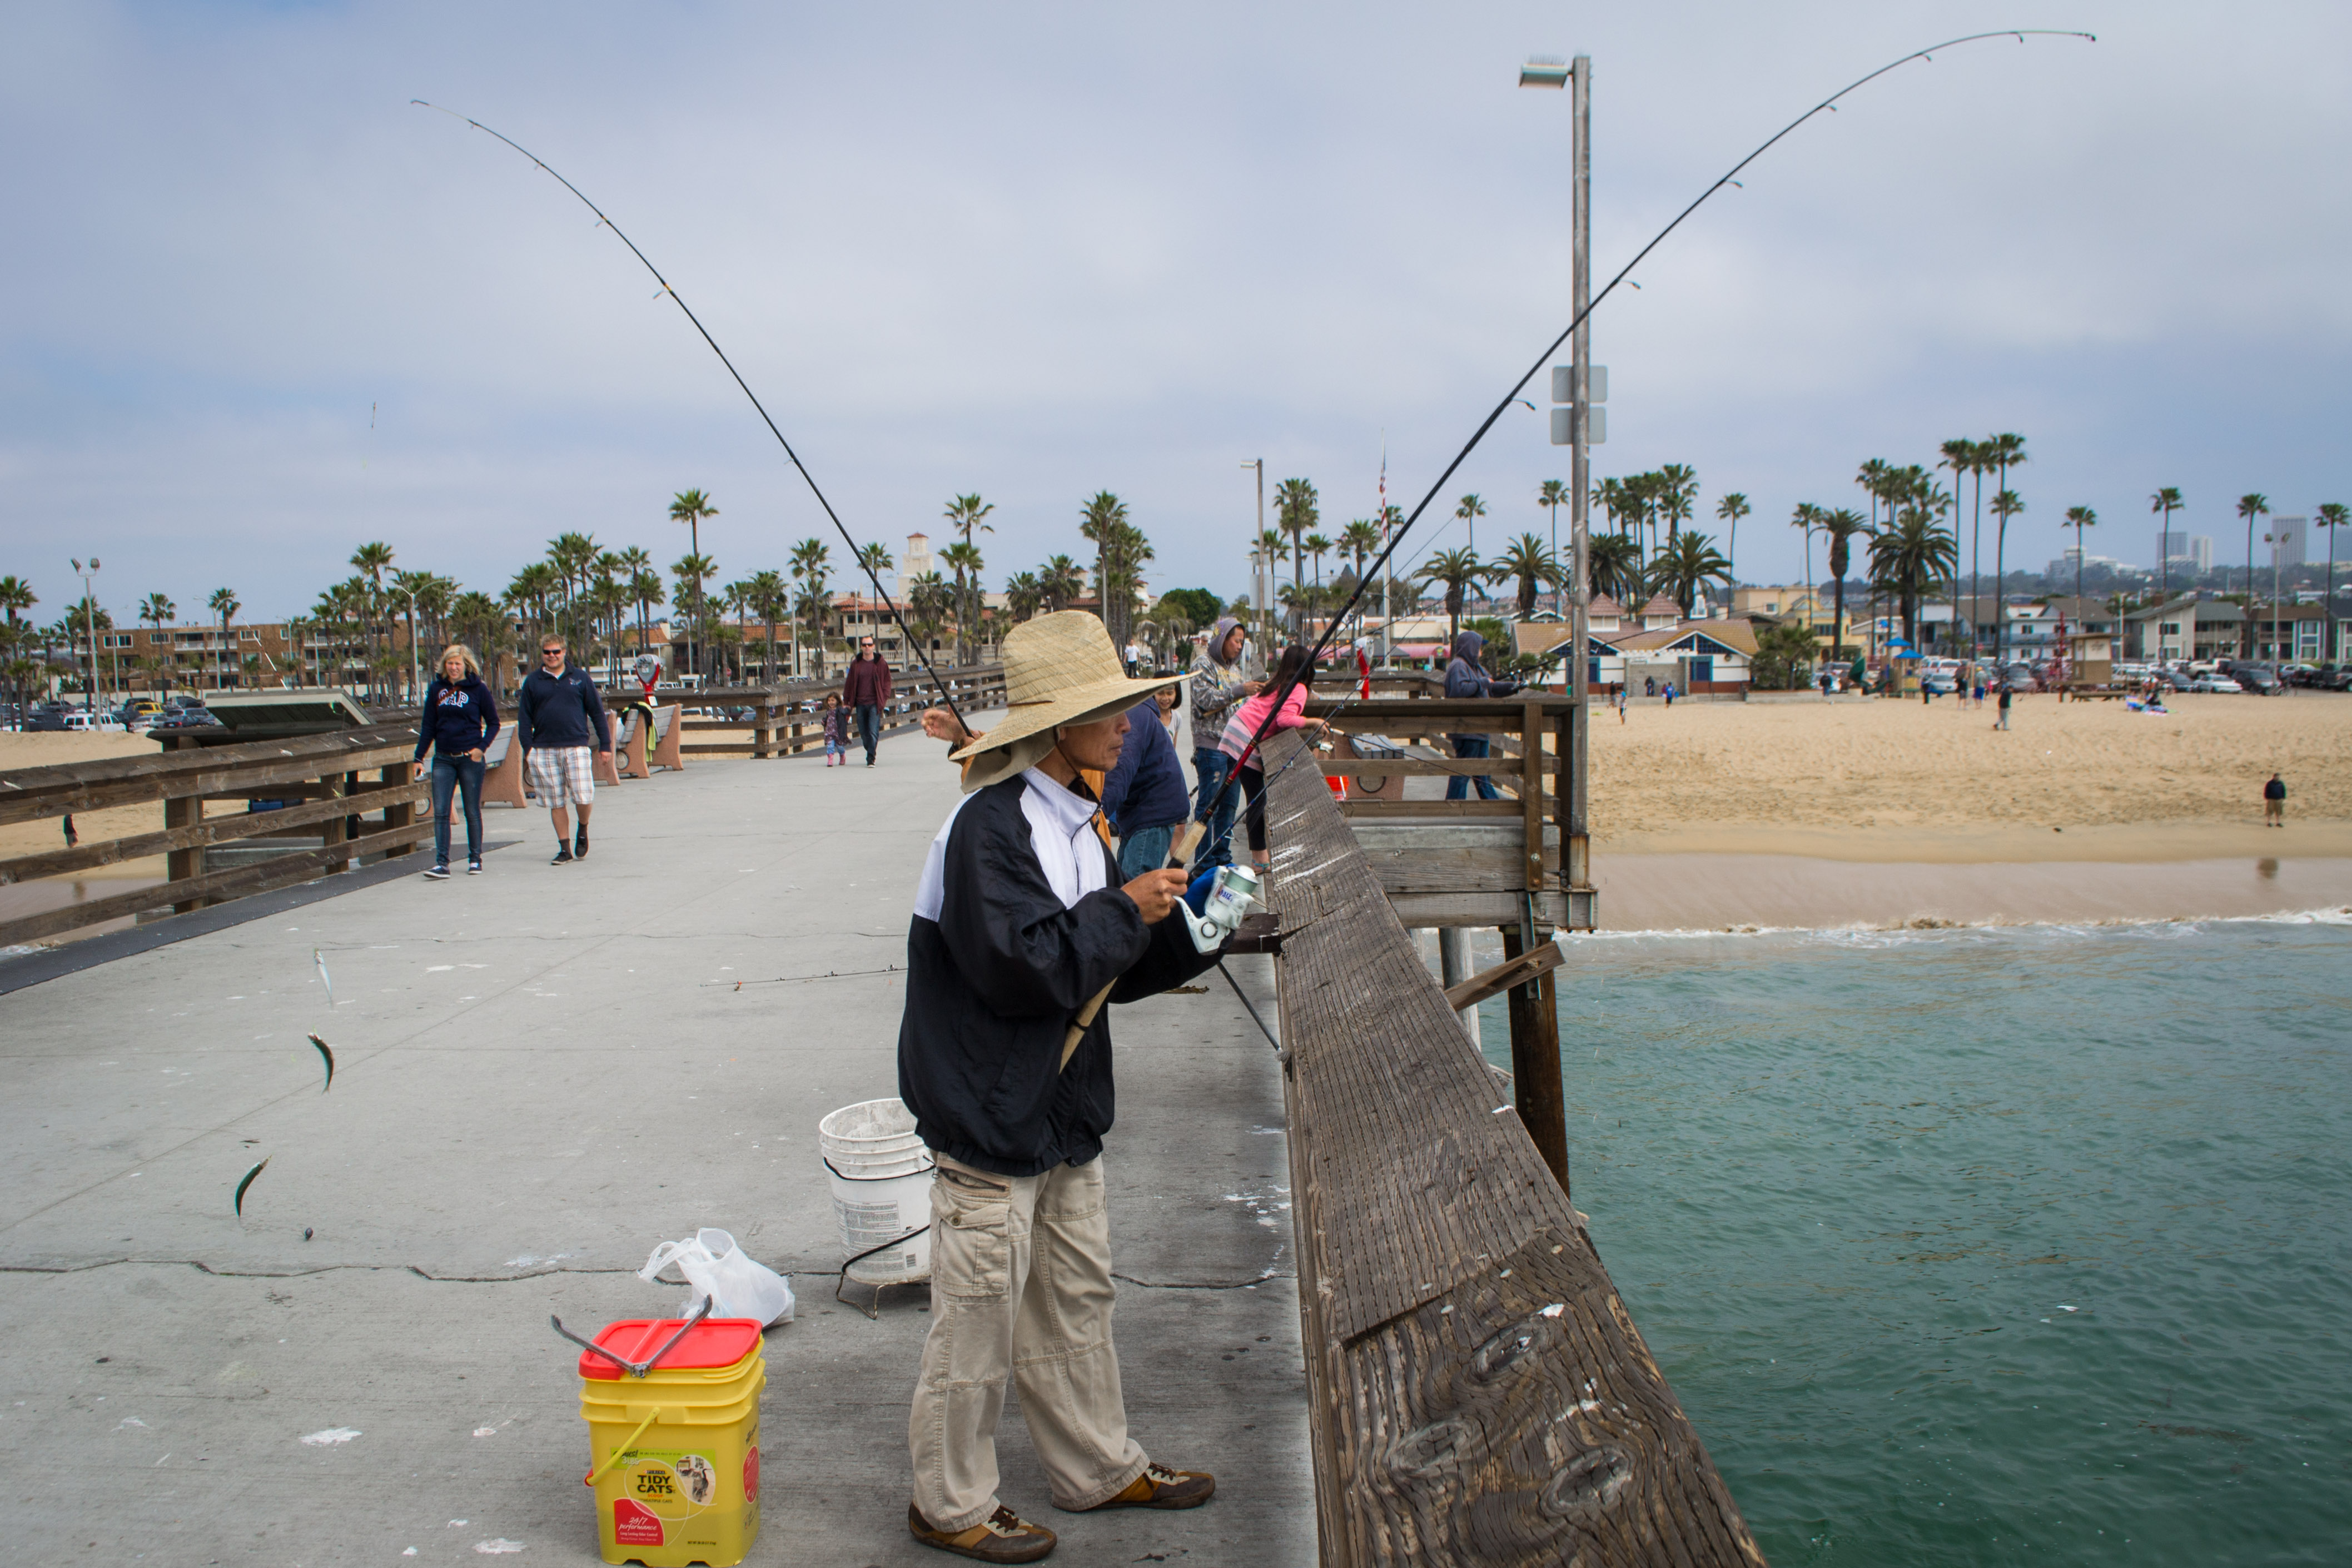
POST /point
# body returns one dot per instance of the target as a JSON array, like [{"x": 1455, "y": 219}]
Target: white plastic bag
[{"x": 738, "y": 1285}]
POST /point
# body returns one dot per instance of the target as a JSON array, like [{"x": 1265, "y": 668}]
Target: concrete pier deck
[{"x": 542, "y": 1073}]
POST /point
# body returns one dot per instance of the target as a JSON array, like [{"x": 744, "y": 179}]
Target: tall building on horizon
[{"x": 2289, "y": 534}]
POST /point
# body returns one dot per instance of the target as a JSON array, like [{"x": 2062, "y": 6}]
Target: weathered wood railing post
[
  {"x": 1477, "y": 1393},
  {"x": 397, "y": 813}
]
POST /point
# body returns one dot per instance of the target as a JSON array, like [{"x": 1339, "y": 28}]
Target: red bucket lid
[{"x": 712, "y": 1342}]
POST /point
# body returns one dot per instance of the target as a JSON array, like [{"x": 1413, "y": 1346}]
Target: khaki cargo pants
[{"x": 1021, "y": 1285}]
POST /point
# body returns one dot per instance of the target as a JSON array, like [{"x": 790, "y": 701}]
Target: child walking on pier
[{"x": 837, "y": 732}]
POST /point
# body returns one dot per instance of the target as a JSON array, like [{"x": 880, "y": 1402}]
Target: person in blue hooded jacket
[
  {"x": 1466, "y": 677},
  {"x": 460, "y": 719}
]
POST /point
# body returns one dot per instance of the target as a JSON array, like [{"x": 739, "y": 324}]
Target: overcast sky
[{"x": 262, "y": 310}]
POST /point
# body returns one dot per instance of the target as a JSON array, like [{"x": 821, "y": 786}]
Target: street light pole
[
  {"x": 1260, "y": 576},
  {"x": 1575, "y": 862},
  {"x": 89, "y": 608}
]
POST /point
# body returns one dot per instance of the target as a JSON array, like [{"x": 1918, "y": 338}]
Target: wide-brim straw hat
[{"x": 1061, "y": 669}]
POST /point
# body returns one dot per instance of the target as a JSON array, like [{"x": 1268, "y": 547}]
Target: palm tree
[
  {"x": 1806, "y": 518},
  {"x": 224, "y": 604},
  {"x": 963, "y": 514},
  {"x": 2078, "y": 518},
  {"x": 157, "y": 610},
  {"x": 690, "y": 506},
  {"x": 1529, "y": 562},
  {"x": 771, "y": 601},
  {"x": 1959, "y": 454},
  {"x": 17, "y": 595},
  {"x": 1839, "y": 527},
  {"x": 1297, "y": 510},
  {"x": 1097, "y": 522},
  {"x": 1999, "y": 454},
  {"x": 2332, "y": 516},
  {"x": 1552, "y": 495},
  {"x": 1616, "y": 567},
  {"x": 1469, "y": 511},
  {"x": 371, "y": 560},
  {"x": 1124, "y": 563},
  {"x": 2164, "y": 502},
  {"x": 1909, "y": 554},
  {"x": 927, "y": 601},
  {"x": 963, "y": 561},
  {"x": 478, "y": 614},
  {"x": 1023, "y": 593},
  {"x": 1457, "y": 569},
  {"x": 1689, "y": 560},
  {"x": 2005, "y": 506},
  {"x": 1677, "y": 489},
  {"x": 1317, "y": 548},
  {"x": 2250, "y": 507},
  {"x": 810, "y": 568},
  {"x": 1729, "y": 510},
  {"x": 691, "y": 571},
  {"x": 1061, "y": 581}
]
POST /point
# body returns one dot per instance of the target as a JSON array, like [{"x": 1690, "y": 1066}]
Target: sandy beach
[{"x": 1903, "y": 781}]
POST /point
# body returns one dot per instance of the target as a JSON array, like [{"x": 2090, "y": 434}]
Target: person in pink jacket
[{"x": 1235, "y": 742}]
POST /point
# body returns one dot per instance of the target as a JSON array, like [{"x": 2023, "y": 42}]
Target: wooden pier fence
[{"x": 1478, "y": 1391}]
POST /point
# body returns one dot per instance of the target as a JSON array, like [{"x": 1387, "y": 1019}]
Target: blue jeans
[
  {"x": 870, "y": 727},
  {"x": 450, "y": 774},
  {"x": 1458, "y": 787},
  {"x": 1217, "y": 848},
  {"x": 1145, "y": 849}
]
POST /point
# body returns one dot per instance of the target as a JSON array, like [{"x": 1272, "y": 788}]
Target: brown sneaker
[
  {"x": 1160, "y": 1487},
  {"x": 1003, "y": 1537}
]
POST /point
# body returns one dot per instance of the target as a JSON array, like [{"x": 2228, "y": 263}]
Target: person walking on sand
[
  {"x": 2274, "y": 802},
  {"x": 837, "y": 731},
  {"x": 1020, "y": 921},
  {"x": 2002, "y": 722},
  {"x": 866, "y": 690},
  {"x": 560, "y": 725},
  {"x": 1220, "y": 679},
  {"x": 460, "y": 720}
]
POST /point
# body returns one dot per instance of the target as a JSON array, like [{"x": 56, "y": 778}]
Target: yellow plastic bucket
[{"x": 674, "y": 1456}]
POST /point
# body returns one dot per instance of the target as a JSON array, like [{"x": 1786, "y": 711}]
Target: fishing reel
[{"x": 1231, "y": 893}]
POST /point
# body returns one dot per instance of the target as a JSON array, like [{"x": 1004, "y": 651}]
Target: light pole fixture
[
  {"x": 90, "y": 607},
  {"x": 1550, "y": 72},
  {"x": 1261, "y": 571}
]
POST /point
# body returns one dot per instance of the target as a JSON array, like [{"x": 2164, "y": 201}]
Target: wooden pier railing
[
  {"x": 1478, "y": 1391},
  {"x": 788, "y": 719},
  {"x": 322, "y": 778}
]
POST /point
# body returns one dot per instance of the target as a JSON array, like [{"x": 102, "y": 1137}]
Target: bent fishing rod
[
  {"x": 872, "y": 576},
  {"x": 1730, "y": 177}
]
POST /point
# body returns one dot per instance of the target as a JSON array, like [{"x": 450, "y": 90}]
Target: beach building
[
  {"x": 2185, "y": 629},
  {"x": 1702, "y": 658}
]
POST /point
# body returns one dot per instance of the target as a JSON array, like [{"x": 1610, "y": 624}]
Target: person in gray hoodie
[
  {"x": 1220, "y": 679},
  {"x": 1466, "y": 677}
]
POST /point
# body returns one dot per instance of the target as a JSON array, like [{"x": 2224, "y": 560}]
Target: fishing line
[
  {"x": 907, "y": 636},
  {"x": 1380, "y": 563}
]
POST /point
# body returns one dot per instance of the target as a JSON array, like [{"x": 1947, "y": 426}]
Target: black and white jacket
[{"x": 1018, "y": 922}]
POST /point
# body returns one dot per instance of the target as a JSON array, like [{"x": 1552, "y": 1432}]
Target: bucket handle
[
  {"x": 626, "y": 1444},
  {"x": 838, "y": 1171},
  {"x": 636, "y": 1368}
]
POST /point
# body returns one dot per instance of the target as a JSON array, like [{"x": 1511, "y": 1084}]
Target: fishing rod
[
  {"x": 872, "y": 576},
  {"x": 1730, "y": 177}
]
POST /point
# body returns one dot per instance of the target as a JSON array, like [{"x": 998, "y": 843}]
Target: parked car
[
  {"x": 49, "y": 720},
  {"x": 2214, "y": 682},
  {"x": 2257, "y": 679}
]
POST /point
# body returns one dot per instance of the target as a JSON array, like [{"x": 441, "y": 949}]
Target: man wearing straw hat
[{"x": 1021, "y": 928}]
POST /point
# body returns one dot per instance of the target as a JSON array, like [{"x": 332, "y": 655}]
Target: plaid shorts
[{"x": 561, "y": 776}]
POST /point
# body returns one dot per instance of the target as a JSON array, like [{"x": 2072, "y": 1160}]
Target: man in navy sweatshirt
[{"x": 560, "y": 724}]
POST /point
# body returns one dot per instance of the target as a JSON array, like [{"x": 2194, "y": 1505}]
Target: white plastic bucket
[{"x": 881, "y": 1190}]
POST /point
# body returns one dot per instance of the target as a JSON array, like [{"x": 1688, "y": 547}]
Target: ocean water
[{"x": 1987, "y": 1246}]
